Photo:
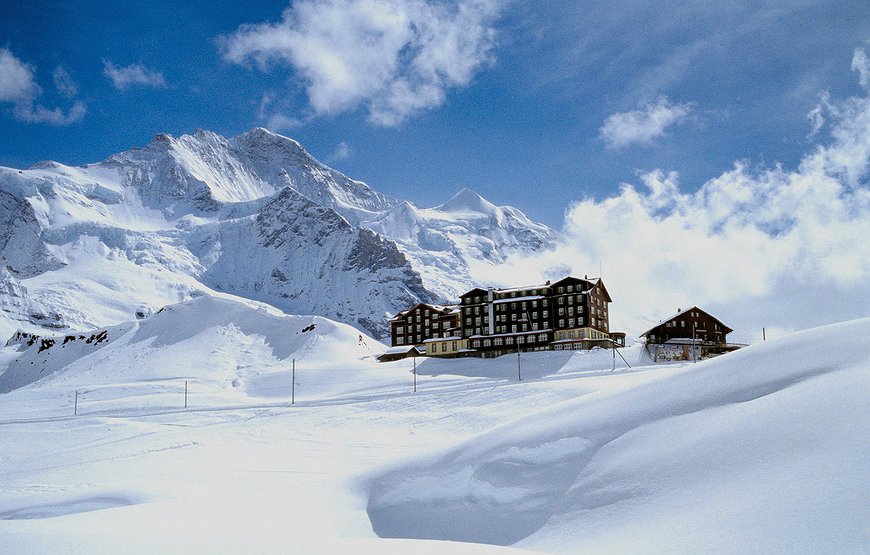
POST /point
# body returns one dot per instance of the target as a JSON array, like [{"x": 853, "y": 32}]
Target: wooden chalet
[{"x": 693, "y": 324}]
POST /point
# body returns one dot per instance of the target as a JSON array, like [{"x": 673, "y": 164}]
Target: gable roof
[{"x": 725, "y": 329}]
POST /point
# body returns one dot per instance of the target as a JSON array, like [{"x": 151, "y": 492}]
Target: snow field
[{"x": 761, "y": 449}]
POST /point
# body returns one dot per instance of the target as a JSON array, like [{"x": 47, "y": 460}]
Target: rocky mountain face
[{"x": 254, "y": 216}]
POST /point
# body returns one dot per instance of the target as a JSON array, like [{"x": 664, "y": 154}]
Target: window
[
  {"x": 545, "y": 313},
  {"x": 570, "y": 311},
  {"x": 570, "y": 322},
  {"x": 444, "y": 347},
  {"x": 497, "y": 341},
  {"x": 570, "y": 288},
  {"x": 513, "y": 306},
  {"x": 509, "y": 340},
  {"x": 561, "y": 312},
  {"x": 521, "y": 340},
  {"x": 514, "y": 328},
  {"x": 400, "y": 329},
  {"x": 542, "y": 337},
  {"x": 561, "y": 300},
  {"x": 561, "y": 323},
  {"x": 534, "y": 315},
  {"x": 418, "y": 328},
  {"x": 560, "y": 290},
  {"x": 534, "y": 304},
  {"x": 487, "y": 343},
  {"x": 525, "y": 327},
  {"x": 453, "y": 347},
  {"x": 570, "y": 300},
  {"x": 475, "y": 344},
  {"x": 400, "y": 341}
]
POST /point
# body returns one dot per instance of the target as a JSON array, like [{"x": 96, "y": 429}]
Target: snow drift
[{"x": 765, "y": 449}]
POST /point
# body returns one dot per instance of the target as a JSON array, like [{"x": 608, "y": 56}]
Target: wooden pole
[
  {"x": 763, "y": 335},
  {"x": 185, "y": 393},
  {"x": 76, "y": 406}
]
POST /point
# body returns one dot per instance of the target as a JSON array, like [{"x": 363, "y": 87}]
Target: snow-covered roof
[
  {"x": 398, "y": 349},
  {"x": 515, "y": 299}
]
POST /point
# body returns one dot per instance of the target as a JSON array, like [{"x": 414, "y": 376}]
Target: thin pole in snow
[
  {"x": 293, "y": 384},
  {"x": 415, "y": 373},
  {"x": 519, "y": 369},
  {"x": 76, "y": 405},
  {"x": 185, "y": 393},
  {"x": 763, "y": 335}
]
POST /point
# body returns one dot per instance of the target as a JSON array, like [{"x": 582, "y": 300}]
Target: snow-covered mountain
[{"x": 254, "y": 215}]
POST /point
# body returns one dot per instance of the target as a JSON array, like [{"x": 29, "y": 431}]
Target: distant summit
[{"x": 467, "y": 200}]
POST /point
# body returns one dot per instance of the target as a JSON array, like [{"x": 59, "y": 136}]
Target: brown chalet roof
[
  {"x": 434, "y": 307},
  {"x": 725, "y": 328},
  {"x": 592, "y": 282}
]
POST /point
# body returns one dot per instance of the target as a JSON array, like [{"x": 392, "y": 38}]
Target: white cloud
[
  {"x": 394, "y": 57},
  {"x": 18, "y": 87},
  {"x": 64, "y": 82},
  {"x": 644, "y": 125},
  {"x": 341, "y": 152},
  {"x": 758, "y": 247},
  {"x": 861, "y": 64},
  {"x": 136, "y": 74}
]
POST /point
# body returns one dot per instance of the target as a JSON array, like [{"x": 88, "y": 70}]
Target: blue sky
[{"x": 533, "y": 104}]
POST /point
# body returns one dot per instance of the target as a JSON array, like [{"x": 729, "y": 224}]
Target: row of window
[{"x": 500, "y": 341}]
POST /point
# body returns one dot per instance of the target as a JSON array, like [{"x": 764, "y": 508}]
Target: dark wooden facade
[
  {"x": 570, "y": 311},
  {"x": 424, "y": 321},
  {"x": 690, "y": 324}
]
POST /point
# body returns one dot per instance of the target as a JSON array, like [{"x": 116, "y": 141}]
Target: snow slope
[{"x": 764, "y": 449}]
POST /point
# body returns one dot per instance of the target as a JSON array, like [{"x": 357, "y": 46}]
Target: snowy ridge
[
  {"x": 169, "y": 344},
  {"x": 255, "y": 215},
  {"x": 442, "y": 242}
]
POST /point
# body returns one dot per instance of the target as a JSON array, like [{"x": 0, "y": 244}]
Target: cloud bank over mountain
[{"x": 759, "y": 246}]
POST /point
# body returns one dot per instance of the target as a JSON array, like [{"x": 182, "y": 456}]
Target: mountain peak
[{"x": 467, "y": 200}]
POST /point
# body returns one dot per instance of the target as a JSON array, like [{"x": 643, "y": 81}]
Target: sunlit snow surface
[{"x": 763, "y": 450}]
